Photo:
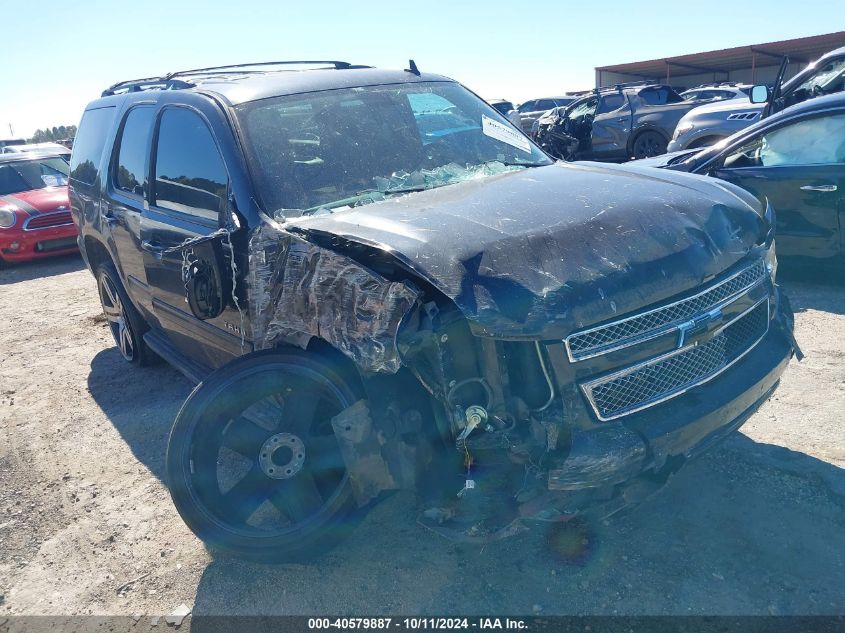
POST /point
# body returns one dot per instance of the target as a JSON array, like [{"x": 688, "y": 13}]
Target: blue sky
[{"x": 59, "y": 55}]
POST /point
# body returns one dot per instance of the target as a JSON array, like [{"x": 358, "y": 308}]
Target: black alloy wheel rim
[
  {"x": 264, "y": 460},
  {"x": 648, "y": 145},
  {"x": 115, "y": 314}
]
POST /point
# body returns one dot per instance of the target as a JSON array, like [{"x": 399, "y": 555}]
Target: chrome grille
[
  {"x": 645, "y": 325},
  {"x": 667, "y": 376}
]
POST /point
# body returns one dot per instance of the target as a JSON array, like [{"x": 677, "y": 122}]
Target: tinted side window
[
  {"x": 654, "y": 96},
  {"x": 659, "y": 96},
  {"x": 89, "y": 143},
  {"x": 545, "y": 104},
  {"x": 130, "y": 175},
  {"x": 610, "y": 103},
  {"x": 190, "y": 176}
]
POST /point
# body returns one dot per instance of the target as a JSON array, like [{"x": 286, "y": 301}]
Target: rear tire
[
  {"x": 648, "y": 144},
  {"x": 126, "y": 324},
  {"x": 253, "y": 465}
]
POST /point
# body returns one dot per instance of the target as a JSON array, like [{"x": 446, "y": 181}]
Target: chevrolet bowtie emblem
[{"x": 698, "y": 324}]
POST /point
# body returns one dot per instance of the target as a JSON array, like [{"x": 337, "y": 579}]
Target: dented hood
[{"x": 542, "y": 251}]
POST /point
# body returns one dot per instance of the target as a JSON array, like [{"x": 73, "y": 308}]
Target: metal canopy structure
[{"x": 749, "y": 64}]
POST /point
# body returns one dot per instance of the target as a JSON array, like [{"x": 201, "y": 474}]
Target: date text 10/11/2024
[{"x": 414, "y": 624}]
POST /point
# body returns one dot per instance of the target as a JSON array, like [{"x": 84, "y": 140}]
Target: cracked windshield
[{"x": 341, "y": 148}]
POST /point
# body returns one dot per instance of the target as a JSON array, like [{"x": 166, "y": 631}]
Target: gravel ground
[{"x": 755, "y": 526}]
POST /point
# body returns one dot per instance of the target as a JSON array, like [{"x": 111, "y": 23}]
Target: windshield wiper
[
  {"x": 517, "y": 163},
  {"x": 364, "y": 197},
  {"x": 409, "y": 189}
]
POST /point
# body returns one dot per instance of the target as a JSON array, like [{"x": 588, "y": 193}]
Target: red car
[{"x": 35, "y": 218}]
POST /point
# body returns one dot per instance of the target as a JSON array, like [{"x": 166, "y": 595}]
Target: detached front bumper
[
  {"x": 17, "y": 245},
  {"x": 616, "y": 451}
]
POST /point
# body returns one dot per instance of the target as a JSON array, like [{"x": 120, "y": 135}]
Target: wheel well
[{"x": 96, "y": 253}]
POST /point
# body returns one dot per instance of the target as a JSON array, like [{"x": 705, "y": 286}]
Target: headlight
[
  {"x": 682, "y": 129},
  {"x": 771, "y": 261},
  {"x": 7, "y": 218}
]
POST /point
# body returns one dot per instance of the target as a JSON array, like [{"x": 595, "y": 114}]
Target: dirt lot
[{"x": 756, "y": 526}]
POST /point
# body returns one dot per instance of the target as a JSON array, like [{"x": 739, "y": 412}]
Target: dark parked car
[
  {"x": 533, "y": 109},
  {"x": 614, "y": 124},
  {"x": 371, "y": 305},
  {"x": 508, "y": 110},
  {"x": 795, "y": 160}
]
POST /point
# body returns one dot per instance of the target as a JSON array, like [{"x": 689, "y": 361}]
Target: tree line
[{"x": 53, "y": 134}]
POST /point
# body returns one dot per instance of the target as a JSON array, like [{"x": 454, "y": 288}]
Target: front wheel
[
  {"x": 253, "y": 464},
  {"x": 648, "y": 144}
]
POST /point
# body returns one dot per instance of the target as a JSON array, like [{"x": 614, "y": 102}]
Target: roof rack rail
[
  {"x": 136, "y": 85},
  {"x": 169, "y": 81},
  {"x": 632, "y": 84},
  {"x": 238, "y": 68},
  {"x": 619, "y": 86}
]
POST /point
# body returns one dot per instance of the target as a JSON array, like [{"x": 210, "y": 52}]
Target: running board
[{"x": 192, "y": 370}]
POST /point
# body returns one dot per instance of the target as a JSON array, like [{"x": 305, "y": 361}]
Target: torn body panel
[
  {"x": 299, "y": 290},
  {"x": 538, "y": 265},
  {"x": 466, "y": 336}
]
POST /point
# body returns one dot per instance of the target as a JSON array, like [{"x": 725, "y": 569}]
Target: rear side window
[
  {"x": 545, "y": 104},
  {"x": 89, "y": 143},
  {"x": 130, "y": 175},
  {"x": 190, "y": 176},
  {"x": 610, "y": 103},
  {"x": 660, "y": 96}
]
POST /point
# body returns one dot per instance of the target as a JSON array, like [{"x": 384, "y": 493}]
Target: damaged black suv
[{"x": 379, "y": 284}]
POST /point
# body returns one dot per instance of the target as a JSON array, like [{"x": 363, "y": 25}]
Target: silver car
[
  {"x": 716, "y": 92},
  {"x": 711, "y": 123}
]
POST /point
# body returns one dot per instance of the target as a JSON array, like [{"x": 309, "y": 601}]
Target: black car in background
[
  {"x": 381, "y": 284},
  {"x": 508, "y": 110},
  {"x": 795, "y": 161},
  {"x": 614, "y": 124},
  {"x": 533, "y": 109}
]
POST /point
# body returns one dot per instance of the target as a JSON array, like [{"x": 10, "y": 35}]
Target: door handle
[
  {"x": 155, "y": 248},
  {"x": 823, "y": 188},
  {"x": 622, "y": 119}
]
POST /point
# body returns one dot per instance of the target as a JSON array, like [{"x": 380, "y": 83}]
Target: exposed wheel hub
[{"x": 282, "y": 456}]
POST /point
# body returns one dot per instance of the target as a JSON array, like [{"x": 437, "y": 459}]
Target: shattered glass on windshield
[
  {"x": 345, "y": 147},
  {"x": 420, "y": 180}
]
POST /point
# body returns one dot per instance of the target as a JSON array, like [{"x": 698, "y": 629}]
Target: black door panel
[
  {"x": 188, "y": 200},
  {"x": 807, "y": 200}
]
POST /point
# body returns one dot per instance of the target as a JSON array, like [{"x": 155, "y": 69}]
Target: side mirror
[{"x": 759, "y": 94}]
